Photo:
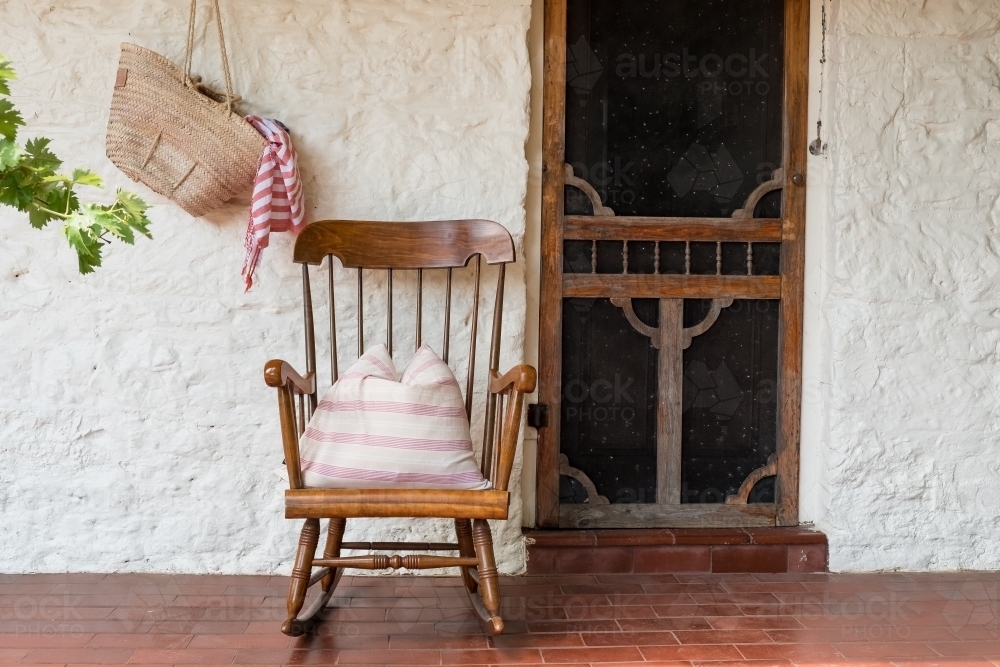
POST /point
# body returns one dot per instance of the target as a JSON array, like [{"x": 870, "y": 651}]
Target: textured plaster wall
[
  {"x": 136, "y": 433},
  {"x": 902, "y": 443}
]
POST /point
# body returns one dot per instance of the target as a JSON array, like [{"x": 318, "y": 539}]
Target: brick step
[{"x": 661, "y": 550}]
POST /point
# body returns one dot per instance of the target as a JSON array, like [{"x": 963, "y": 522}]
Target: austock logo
[
  {"x": 54, "y": 613},
  {"x": 444, "y": 610},
  {"x": 700, "y": 170},
  {"x": 67, "y": 608},
  {"x": 611, "y": 399},
  {"x": 718, "y": 76},
  {"x": 977, "y": 608},
  {"x": 744, "y": 74},
  {"x": 686, "y": 65},
  {"x": 583, "y": 68},
  {"x": 717, "y": 391}
]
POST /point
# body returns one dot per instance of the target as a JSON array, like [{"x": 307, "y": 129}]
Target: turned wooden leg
[
  {"x": 301, "y": 572},
  {"x": 466, "y": 549},
  {"x": 334, "y": 538},
  {"x": 489, "y": 581}
]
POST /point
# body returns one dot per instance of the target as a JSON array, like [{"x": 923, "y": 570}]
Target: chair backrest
[{"x": 407, "y": 246}]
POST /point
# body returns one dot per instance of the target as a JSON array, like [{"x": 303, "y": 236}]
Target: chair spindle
[
  {"x": 388, "y": 315},
  {"x": 491, "y": 408},
  {"x": 420, "y": 305},
  {"x": 334, "y": 371},
  {"x": 497, "y": 434},
  {"x": 302, "y": 414},
  {"x": 497, "y": 320},
  {"x": 361, "y": 315},
  {"x": 310, "y": 331},
  {"x": 447, "y": 320},
  {"x": 471, "y": 378}
]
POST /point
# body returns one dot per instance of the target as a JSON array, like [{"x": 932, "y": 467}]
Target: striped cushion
[
  {"x": 374, "y": 363},
  {"x": 371, "y": 431},
  {"x": 426, "y": 368}
]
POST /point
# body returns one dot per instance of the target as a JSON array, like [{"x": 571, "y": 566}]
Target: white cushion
[{"x": 371, "y": 431}]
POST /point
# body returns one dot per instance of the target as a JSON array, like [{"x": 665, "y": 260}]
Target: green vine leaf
[
  {"x": 83, "y": 239},
  {"x": 79, "y": 177},
  {"x": 10, "y": 120},
  {"x": 48, "y": 202},
  {"x": 111, "y": 219},
  {"x": 87, "y": 177},
  {"x": 29, "y": 183},
  {"x": 10, "y": 153},
  {"x": 17, "y": 188},
  {"x": 6, "y": 74},
  {"x": 134, "y": 209},
  {"x": 39, "y": 158}
]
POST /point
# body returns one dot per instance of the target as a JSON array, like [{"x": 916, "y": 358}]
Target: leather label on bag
[{"x": 121, "y": 78}]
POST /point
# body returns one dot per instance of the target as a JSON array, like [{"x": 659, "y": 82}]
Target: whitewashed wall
[
  {"x": 136, "y": 433},
  {"x": 901, "y": 448}
]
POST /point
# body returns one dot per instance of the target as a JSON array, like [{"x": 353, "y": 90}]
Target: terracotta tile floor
[{"x": 800, "y": 619}]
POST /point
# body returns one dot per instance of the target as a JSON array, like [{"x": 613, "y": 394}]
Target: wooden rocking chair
[{"x": 394, "y": 246}]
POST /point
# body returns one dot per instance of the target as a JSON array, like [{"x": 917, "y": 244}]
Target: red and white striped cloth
[{"x": 277, "y": 204}]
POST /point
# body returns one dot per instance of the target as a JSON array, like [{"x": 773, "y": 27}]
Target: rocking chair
[{"x": 395, "y": 246}]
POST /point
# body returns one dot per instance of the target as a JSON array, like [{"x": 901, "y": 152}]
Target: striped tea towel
[
  {"x": 372, "y": 431},
  {"x": 277, "y": 204}
]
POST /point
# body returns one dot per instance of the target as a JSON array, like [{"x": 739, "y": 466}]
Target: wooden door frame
[{"x": 785, "y": 511}]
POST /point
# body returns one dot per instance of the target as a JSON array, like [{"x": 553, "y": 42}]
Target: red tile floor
[{"x": 800, "y": 619}]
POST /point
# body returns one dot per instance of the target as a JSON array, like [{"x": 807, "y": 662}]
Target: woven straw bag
[{"x": 176, "y": 135}]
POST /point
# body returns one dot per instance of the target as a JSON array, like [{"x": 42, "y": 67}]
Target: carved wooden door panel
[{"x": 673, "y": 217}]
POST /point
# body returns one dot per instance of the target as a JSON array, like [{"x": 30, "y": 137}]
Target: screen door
[{"x": 672, "y": 262}]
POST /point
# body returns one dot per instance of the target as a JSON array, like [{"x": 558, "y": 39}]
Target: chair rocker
[{"x": 390, "y": 247}]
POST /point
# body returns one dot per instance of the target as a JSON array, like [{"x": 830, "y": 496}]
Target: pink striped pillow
[
  {"x": 373, "y": 432},
  {"x": 427, "y": 368},
  {"x": 375, "y": 363}
]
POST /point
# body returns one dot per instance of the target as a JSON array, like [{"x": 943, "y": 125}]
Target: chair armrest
[
  {"x": 278, "y": 373},
  {"x": 516, "y": 383},
  {"x": 522, "y": 378}
]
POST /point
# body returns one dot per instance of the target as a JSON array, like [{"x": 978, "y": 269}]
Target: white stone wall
[
  {"x": 901, "y": 449},
  {"x": 136, "y": 433}
]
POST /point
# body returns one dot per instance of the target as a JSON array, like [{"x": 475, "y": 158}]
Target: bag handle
[{"x": 193, "y": 82}]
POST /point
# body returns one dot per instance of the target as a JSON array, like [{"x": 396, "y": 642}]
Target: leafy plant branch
[{"x": 30, "y": 183}]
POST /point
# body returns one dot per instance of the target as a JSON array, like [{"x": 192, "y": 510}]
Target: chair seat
[{"x": 351, "y": 503}]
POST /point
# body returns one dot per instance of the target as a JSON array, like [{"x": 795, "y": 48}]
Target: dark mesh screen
[{"x": 673, "y": 108}]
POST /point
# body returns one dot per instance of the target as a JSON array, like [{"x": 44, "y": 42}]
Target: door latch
[{"x": 538, "y": 415}]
